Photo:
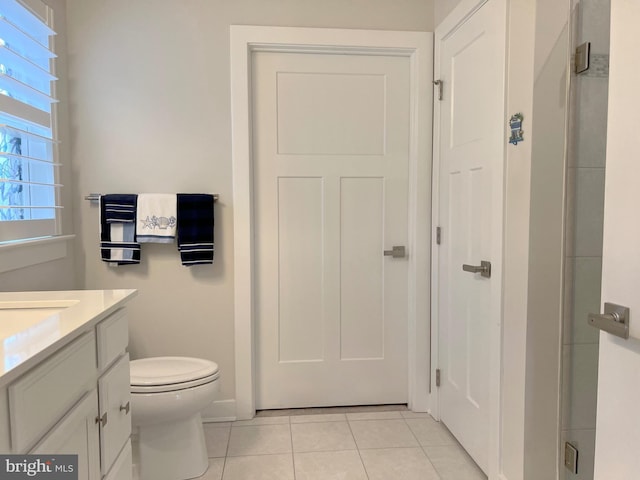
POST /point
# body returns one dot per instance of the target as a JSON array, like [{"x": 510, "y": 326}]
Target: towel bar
[{"x": 95, "y": 197}]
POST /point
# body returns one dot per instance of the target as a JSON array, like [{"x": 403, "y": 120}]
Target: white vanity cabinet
[
  {"x": 114, "y": 392},
  {"x": 77, "y": 433},
  {"x": 42, "y": 396},
  {"x": 76, "y": 401}
]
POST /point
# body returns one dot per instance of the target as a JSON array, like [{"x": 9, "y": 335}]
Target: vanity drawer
[
  {"x": 113, "y": 338},
  {"x": 39, "y": 398}
]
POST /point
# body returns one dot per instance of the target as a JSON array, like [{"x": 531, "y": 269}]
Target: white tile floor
[{"x": 379, "y": 445}]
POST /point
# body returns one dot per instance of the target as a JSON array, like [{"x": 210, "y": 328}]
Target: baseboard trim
[{"x": 220, "y": 411}]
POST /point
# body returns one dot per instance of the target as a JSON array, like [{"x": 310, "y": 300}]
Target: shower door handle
[
  {"x": 483, "y": 269},
  {"x": 614, "y": 320}
]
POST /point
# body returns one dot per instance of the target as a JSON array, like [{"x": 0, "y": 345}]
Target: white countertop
[{"x": 35, "y": 324}]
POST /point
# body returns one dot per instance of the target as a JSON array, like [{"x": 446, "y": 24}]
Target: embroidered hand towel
[
  {"x": 156, "y": 218},
  {"x": 117, "y": 238},
  {"x": 195, "y": 228}
]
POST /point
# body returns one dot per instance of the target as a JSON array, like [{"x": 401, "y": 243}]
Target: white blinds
[{"x": 28, "y": 166}]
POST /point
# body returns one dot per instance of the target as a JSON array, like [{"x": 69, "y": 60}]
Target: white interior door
[
  {"x": 617, "y": 420},
  {"x": 330, "y": 149},
  {"x": 471, "y": 147}
]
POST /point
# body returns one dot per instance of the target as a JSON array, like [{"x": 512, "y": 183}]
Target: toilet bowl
[{"x": 167, "y": 396}]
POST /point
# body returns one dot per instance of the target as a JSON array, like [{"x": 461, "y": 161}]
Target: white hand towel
[{"x": 156, "y": 218}]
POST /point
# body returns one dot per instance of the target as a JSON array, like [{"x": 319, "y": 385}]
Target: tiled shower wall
[{"x": 583, "y": 262}]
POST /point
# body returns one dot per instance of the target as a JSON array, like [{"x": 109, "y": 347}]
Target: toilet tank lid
[{"x": 168, "y": 370}]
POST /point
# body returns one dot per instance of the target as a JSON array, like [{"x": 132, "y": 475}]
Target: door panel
[
  {"x": 470, "y": 213},
  {"x": 331, "y": 149},
  {"x": 348, "y": 113},
  {"x": 300, "y": 231},
  {"x": 361, "y": 268}
]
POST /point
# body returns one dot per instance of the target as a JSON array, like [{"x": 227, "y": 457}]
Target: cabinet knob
[
  {"x": 126, "y": 408},
  {"x": 102, "y": 420}
]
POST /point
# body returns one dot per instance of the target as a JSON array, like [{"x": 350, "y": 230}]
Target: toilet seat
[{"x": 165, "y": 374}]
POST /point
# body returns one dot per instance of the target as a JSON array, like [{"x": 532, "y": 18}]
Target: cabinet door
[
  {"x": 121, "y": 469},
  {"x": 76, "y": 433},
  {"x": 114, "y": 391}
]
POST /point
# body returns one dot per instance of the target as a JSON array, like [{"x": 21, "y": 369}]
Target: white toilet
[{"x": 167, "y": 396}]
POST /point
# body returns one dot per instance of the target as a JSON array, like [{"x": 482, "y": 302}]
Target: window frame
[
  {"x": 28, "y": 230},
  {"x": 26, "y": 252}
]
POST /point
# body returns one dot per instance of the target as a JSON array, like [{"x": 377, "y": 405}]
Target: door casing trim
[{"x": 418, "y": 47}]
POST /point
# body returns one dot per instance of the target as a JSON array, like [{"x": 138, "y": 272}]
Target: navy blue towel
[
  {"x": 195, "y": 228},
  {"x": 119, "y": 208},
  {"x": 117, "y": 237}
]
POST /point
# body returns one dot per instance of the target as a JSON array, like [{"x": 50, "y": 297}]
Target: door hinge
[
  {"x": 438, "y": 235},
  {"x": 439, "y": 83},
  {"x": 571, "y": 458},
  {"x": 582, "y": 58},
  {"x": 437, "y": 377}
]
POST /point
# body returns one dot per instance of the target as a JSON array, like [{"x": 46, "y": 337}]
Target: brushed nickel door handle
[
  {"x": 483, "y": 269},
  {"x": 615, "y": 320},
  {"x": 396, "y": 252}
]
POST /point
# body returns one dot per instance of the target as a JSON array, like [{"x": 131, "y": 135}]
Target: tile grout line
[
  {"x": 435, "y": 469},
  {"x": 293, "y": 457},
  {"x": 422, "y": 448},
  {"x": 289, "y": 422},
  {"x": 366, "y": 472},
  {"x": 413, "y": 433},
  {"x": 226, "y": 452}
]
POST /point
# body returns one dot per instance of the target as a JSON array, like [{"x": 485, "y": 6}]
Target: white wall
[
  {"x": 150, "y": 110},
  {"x": 442, "y": 8},
  {"x": 521, "y": 45},
  {"x": 546, "y": 240}
]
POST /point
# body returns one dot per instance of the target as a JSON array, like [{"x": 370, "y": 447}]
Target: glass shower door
[{"x": 583, "y": 258}]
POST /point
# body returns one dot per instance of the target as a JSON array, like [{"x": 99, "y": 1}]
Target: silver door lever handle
[
  {"x": 483, "y": 269},
  {"x": 396, "y": 252},
  {"x": 615, "y": 320}
]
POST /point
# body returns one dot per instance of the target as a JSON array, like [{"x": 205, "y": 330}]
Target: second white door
[
  {"x": 330, "y": 150},
  {"x": 470, "y": 215}
]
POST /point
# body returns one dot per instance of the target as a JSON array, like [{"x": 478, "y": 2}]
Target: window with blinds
[{"x": 28, "y": 143}]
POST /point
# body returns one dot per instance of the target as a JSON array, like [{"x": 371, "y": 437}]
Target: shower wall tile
[
  {"x": 585, "y": 442},
  {"x": 567, "y": 315},
  {"x": 595, "y": 18},
  {"x": 589, "y": 211},
  {"x": 587, "y": 277},
  {"x": 586, "y": 160},
  {"x": 573, "y": 120},
  {"x": 591, "y": 121},
  {"x": 570, "y": 214},
  {"x": 580, "y": 386}
]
